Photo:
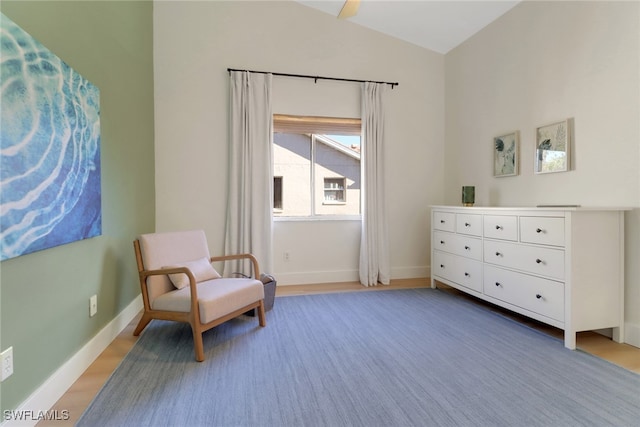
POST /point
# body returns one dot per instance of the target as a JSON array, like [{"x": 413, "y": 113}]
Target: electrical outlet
[
  {"x": 93, "y": 305},
  {"x": 7, "y": 364},
  {"x": 286, "y": 256}
]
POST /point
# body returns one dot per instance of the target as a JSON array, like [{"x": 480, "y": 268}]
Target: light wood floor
[{"x": 82, "y": 392}]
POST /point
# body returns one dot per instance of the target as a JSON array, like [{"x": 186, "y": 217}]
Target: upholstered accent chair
[{"x": 178, "y": 282}]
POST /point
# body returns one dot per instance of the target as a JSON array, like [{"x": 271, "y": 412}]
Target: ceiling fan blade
[{"x": 349, "y": 9}]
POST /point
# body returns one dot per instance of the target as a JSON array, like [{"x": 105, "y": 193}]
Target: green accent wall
[{"x": 44, "y": 306}]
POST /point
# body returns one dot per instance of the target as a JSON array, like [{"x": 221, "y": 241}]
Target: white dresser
[{"x": 561, "y": 266}]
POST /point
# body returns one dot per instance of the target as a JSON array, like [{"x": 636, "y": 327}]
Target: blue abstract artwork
[{"x": 50, "y": 189}]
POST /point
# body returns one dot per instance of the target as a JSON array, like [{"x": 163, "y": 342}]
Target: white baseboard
[
  {"x": 410, "y": 272},
  {"x": 632, "y": 334},
  {"x": 57, "y": 384},
  {"x": 313, "y": 277}
]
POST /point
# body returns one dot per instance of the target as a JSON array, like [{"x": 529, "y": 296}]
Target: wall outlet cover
[
  {"x": 7, "y": 364},
  {"x": 93, "y": 305}
]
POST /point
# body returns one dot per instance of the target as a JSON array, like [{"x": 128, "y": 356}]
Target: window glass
[
  {"x": 291, "y": 161},
  {"x": 277, "y": 193},
  {"x": 334, "y": 190},
  {"x": 316, "y": 174}
]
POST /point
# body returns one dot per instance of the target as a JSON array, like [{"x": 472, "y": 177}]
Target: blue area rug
[{"x": 385, "y": 358}]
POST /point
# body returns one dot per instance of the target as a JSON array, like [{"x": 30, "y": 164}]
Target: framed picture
[
  {"x": 505, "y": 154},
  {"x": 552, "y": 148},
  {"x": 50, "y": 193}
]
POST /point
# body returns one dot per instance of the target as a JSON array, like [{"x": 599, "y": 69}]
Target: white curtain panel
[
  {"x": 374, "y": 251},
  {"x": 250, "y": 193}
]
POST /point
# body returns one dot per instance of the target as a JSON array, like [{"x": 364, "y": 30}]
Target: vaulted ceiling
[{"x": 436, "y": 25}]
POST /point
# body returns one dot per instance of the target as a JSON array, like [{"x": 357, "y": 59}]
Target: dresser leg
[
  {"x": 617, "y": 334},
  {"x": 570, "y": 339}
]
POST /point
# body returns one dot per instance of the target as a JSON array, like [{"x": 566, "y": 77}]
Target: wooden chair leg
[
  {"x": 144, "y": 321},
  {"x": 197, "y": 343},
  {"x": 261, "y": 316}
]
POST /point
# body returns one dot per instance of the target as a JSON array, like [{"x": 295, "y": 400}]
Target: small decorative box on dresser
[{"x": 563, "y": 266}]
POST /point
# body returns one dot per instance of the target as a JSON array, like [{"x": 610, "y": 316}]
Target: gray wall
[
  {"x": 195, "y": 43},
  {"x": 539, "y": 63}
]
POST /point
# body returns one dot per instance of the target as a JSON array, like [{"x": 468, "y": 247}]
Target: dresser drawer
[
  {"x": 539, "y": 260},
  {"x": 542, "y": 230},
  {"x": 445, "y": 221},
  {"x": 542, "y": 296},
  {"x": 463, "y": 271},
  {"x": 469, "y": 224},
  {"x": 457, "y": 244},
  {"x": 503, "y": 227}
]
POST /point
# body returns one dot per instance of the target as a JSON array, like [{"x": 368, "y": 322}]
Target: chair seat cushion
[{"x": 216, "y": 298}]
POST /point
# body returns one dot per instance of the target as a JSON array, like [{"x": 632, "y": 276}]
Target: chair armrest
[
  {"x": 251, "y": 257},
  {"x": 165, "y": 271}
]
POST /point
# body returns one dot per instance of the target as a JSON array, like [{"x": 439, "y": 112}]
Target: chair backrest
[{"x": 158, "y": 250}]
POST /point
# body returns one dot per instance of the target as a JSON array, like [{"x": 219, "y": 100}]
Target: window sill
[{"x": 317, "y": 218}]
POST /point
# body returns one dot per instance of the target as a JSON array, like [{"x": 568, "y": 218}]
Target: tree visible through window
[{"x": 316, "y": 167}]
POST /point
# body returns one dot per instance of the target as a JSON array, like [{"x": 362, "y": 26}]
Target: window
[
  {"x": 318, "y": 160},
  {"x": 277, "y": 193},
  {"x": 334, "y": 190}
]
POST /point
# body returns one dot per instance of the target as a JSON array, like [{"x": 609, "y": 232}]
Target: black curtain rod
[{"x": 316, "y": 78}]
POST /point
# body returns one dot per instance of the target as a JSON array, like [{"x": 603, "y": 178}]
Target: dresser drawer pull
[
  {"x": 441, "y": 265},
  {"x": 442, "y": 242},
  {"x": 467, "y": 274},
  {"x": 498, "y": 254},
  {"x": 539, "y": 261},
  {"x": 466, "y": 224},
  {"x": 467, "y": 248},
  {"x": 442, "y": 221},
  {"x": 498, "y": 227},
  {"x": 539, "y": 230},
  {"x": 538, "y": 296},
  {"x": 498, "y": 284}
]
